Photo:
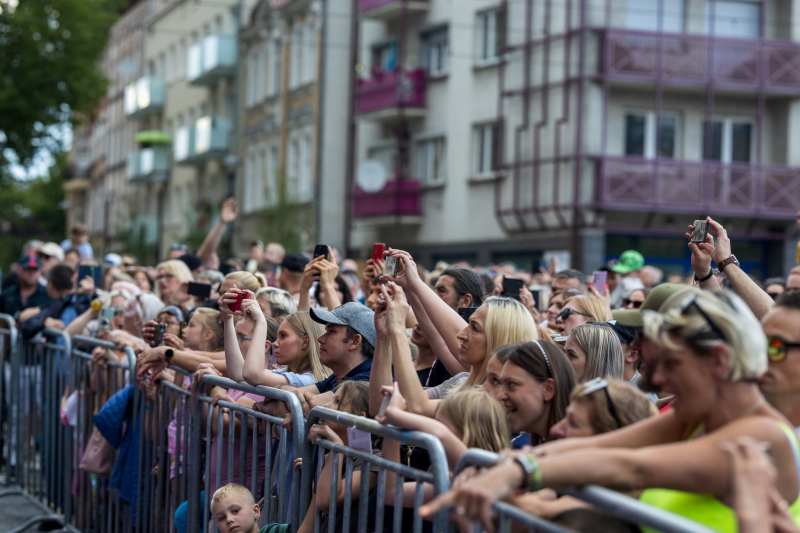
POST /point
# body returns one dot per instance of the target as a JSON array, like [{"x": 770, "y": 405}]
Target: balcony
[
  {"x": 211, "y": 60},
  {"x": 701, "y": 60},
  {"x": 398, "y": 201},
  {"x": 144, "y": 97},
  {"x": 389, "y": 9},
  {"x": 698, "y": 187},
  {"x": 148, "y": 164},
  {"x": 183, "y": 149},
  {"x": 383, "y": 96},
  {"x": 206, "y": 140}
]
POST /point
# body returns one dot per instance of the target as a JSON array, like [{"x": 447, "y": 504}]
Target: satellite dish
[{"x": 372, "y": 176}]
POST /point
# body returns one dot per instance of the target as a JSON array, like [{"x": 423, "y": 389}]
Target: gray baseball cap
[{"x": 357, "y": 316}]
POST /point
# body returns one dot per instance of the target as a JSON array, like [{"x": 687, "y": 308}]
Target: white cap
[
  {"x": 53, "y": 250},
  {"x": 113, "y": 259}
]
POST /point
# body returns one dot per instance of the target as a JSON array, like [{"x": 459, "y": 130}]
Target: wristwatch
[
  {"x": 168, "y": 353},
  {"x": 725, "y": 262}
]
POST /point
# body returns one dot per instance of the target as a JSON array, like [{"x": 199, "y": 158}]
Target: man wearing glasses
[{"x": 781, "y": 384}]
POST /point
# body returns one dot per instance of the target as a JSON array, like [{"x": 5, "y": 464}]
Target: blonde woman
[
  {"x": 246, "y": 281},
  {"x": 171, "y": 275},
  {"x": 275, "y": 302},
  {"x": 579, "y": 310},
  {"x": 709, "y": 351},
  {"x": 594, "y": 351}
]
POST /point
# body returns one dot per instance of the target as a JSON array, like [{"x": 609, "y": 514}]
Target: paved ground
[{"x": 15, "y": 510}]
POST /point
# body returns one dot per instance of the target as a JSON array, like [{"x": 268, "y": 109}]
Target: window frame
[
  {"x": 650, "y": 148},
  {"x": 423, "y": 144},
  {"x": 429, "y": 40},
  {"x": 485, "y": 35},
  {"x": 726, "y": 142},
  {"x": 479, "y": 147}
]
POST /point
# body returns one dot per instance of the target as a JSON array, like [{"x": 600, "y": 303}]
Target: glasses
[
  {"x": 597, "y": 384},
  {"x": 692, "y": 301},
  {"x": 118, "y": 310},
  {"x": 164, "y": 276},
  {"x": 778, "y": 349},
  {"x": 564, "y": 314},
  {"x": 774, "y": 295},
  {"x": 240, "y": 337},
  {"x": 626, "y": 302},
  {"x": 176, "y": 246}
]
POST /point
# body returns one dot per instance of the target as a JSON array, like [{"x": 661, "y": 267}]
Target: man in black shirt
[{"x": 27, "y": 292}]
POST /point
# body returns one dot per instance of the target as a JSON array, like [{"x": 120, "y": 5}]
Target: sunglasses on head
[
  {"x": 626, "y": 302},
  {"x": 778, "y": 349},
  {"x": 565, "y": 313},
  {"x": 692, "y": 301},
  {"x": 597, "y": 384}
]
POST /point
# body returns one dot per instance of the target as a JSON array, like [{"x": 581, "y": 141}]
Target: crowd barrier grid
[
  {"x": 248, "y": 418},
  {"x": 614, "y": 503},
  {"x": 438, "y": 476}
]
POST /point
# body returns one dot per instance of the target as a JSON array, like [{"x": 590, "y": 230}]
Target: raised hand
[{"x": 229, "y": 211}]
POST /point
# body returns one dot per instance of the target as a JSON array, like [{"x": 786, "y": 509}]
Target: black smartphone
[
  {"x": 201, "y": 290},
  {"x": 537, "y": 298},
  {"x": 511, "y": 287},
  {"x": 94, "y": 272},
  {"x": 321, "y": 250},
  {"x": 699, "y": 231},
  {"x": 466, "y": 312},
  {"x": 158, "y": 338}
]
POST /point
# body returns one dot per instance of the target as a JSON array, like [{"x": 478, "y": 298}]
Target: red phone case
[
  {"x": 238, "y": 305},
  {"x": 377, "y": 251}
]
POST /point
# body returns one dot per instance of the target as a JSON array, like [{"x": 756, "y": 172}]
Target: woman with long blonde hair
[{"x": 169, "y": 278}]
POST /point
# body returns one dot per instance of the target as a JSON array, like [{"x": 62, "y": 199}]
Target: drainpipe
[
  {"x": 320, "y": 122},
  {"x": 233, "y": 150},
  {"x": 351, "y": 126}
]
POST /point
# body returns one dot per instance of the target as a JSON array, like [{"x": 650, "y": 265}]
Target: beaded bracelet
[{"x": 532, "y": 481}]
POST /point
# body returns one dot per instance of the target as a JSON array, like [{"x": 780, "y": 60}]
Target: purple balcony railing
[
  {"x": 368, "y": 5},
  {"x": 398, "y": 198},
  {"x": 389, "y": 90},
  {"x": 689, "y": 59},
  {"x": 699, "y": 187}
]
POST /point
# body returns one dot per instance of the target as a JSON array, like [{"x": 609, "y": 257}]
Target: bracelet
[
  {"x": 532, "y": 480},
  {"x": 700, "y": 280}
]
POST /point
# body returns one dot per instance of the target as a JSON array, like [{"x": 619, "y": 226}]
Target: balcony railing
[
  {"x": 144, "y": 97},
  {"x": 690, "y": 59},
  {"x": 148, "y": 164},
  {"x": 211, "y": 60},
  {"x": 399, "y": 198},
  {"x": 387, "y": 9},
  {"x": 698, "y": 187},
  {"x": 206, "y": 140},
  {"x": 389, "y": 91},
  {"x": 183, "y": 147}
]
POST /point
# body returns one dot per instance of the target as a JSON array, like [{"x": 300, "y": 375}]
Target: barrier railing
[
  {"x": 438, "y": 476},
  {"x": 220, "y": 441},
  {"x": 612, "y": 502}
]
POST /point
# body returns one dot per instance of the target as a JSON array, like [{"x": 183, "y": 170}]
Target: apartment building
[
  {"x": 97, "y": 190},
  {"x": 492, "y": 131},
  {"x": 295, "y": 58}
]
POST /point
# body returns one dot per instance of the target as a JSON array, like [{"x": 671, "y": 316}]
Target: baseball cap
[
  {"x": 653, "y": 302},
  {"x": 113, "y": 259},
  {"x": 629, "y": 261},
  {"x": 191, "y": 260},
  {"x": 357, "y": 316},
  {"x": 174, "y": 310},
  {"x": 30, "y": 261},
  {"x": 51, "y": 249},
  {"x": 295, "y": 262},
  {"x": 625, "y": 333}
]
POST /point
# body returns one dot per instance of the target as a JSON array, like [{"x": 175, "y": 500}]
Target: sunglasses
[
  {"x": 164, "y": 276},
  {"x": 118, "y": 310},
  {"x": 626, "y": 302},
  {"x": 597, "y": 384},
  {"x": 176, "y": 246},
  {"x": 565, "y": 313},
  {"x": 774, "y": 295},
  {"x": 778, "y": 349},
  {"x": 692, "y": 301}
]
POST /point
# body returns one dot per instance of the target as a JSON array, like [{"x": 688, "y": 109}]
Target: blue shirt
[
  {"x": 521, "y": 440},
  {"x": 84, "y": 249},
  {"x": 359, "y": 373}
]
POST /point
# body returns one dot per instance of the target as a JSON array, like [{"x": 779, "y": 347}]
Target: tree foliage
[{"x": 49, "y": 69}]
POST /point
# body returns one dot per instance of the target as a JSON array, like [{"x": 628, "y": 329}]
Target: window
[
  {"x": 384, "y": 57},
  {"x": 218, "y": 25},
  {"x": 294, "y": 170},
  {"x": 272, "y": 176},
  {"x": 488, "y": 35},
  {"x": 249, "y": 173},
  {"x": 432, "y": 161},
  {"x": 265, "y": 69},
  {"x": 180, "y": 67},
  {"x": 171, "y": 67},
  {"x": 261, "y": 82},
  {"x": 435, "y": 52},
  {"x": 277, "y": 67},
  {"x": 306, "y": 186},
  {"x": 734, "y": 19},
  {"x": 731, "y": 140},
  {"x": 162, "y": 65},
  {"x": 309, "y": 53},
  {"x": 640, "y": 135},
  {"x": 643, "y": 15},
  {"x": 295, "y": 68},
  {"x": 485, "y": 149}
]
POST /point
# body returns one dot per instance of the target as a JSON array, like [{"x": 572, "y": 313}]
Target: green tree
[
  {"x": 49, "y": 70},
  {"x": 288, "y": 222}
]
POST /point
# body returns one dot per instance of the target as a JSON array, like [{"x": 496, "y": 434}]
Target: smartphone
[
  {"x": 237, "y": 306},
  {"x": 272, "y": 361},
  {"x": 201, "y": 290},
  {"x": 384, "y": 404},
  {"x": 599, "y": 279},
  {"x": 699, "y": 231},
  {"x": 158, "y": 338},
  {"x": 466, "y": 312},
  {"x": 377, "y": 251},
  {"x": 511, "y": 287},
  {"x": 391, "y": 266},
  {"x": 94, "y": 272},
  {"x": 321, "y": 250},
  {"x": 537, "y": 298},
  {"x": 105, "y": 320}
]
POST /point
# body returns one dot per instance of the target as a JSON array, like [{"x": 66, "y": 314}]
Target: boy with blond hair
[{"x": 234, "y": 510}]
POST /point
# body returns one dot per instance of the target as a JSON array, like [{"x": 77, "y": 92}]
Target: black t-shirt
[
  {"x": 423, "y": 375},
  {"x": 437, "y": 375}
]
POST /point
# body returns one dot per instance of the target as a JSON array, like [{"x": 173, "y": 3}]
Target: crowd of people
[{"x": 682, "y": 393}]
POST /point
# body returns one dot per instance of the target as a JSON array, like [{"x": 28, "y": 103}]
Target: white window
[
  {"x": 643, "y": 15},
  {"x": 249, "y": 172},
  {"x": 250, "y": 97},
  {"x": 485, "y": 149},
  {"x": 432, "y": 160},
  {"x": 265, "y": 69},
  {"x": 277, "y": 67},
  {"x": 181, "y": 60},
  {"x": 733, "y": 19},
  {"x": 293, "y": 171},
  {"x": 488, "y": 35},
  {"x": 309, "y": 53},
  {"x": 436, "y": 52},
  {"x": 258, "y": 73},
  {"x": 640, "y": 135},
  {"x": 306, "y": 188},
  {"x": 384, "y": 57},
  {"x": 171, "y": 67},
  {"x": 731, "y": 140},
  {"x": 272, "y": 176},
  {"x": 295, "y": 57}
]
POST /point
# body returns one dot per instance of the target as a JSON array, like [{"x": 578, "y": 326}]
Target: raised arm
[
  {"x": 211, "y": 243},
  {"x": 381, "y": 373},
  {"x": 233, "y": 355},
  {"x": 255, "y": 371},
  {"x": 437, "y": 343},
  {"x": 77, "y": 326}
]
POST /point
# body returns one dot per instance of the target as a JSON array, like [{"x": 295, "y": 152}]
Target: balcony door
[
  {"x": 736, "y": 19},
  {"x": 729, "y": 141},
  {"x": 640, "y": 135},
  {"x": 644, "y": 15}
]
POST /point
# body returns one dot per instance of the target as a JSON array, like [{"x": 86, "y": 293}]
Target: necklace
[{"x": 752, "y": 408}]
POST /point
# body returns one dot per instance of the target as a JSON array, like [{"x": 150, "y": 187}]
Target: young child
[{"x": 234, "y": 509}]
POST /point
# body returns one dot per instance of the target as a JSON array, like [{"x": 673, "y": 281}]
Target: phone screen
[
  {"x": 201, "y": 290},
  {"x": 466, "y": 312},
  {"x": 511, "y": 287},
  {"x": 599, "y": 279},
  {"x": 699, "y": 231},
  {"x": 94, "y": 272},
  {"x": 384, "y": 404}
]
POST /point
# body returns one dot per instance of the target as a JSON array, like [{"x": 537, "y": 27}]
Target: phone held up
[
  {"x": 511, "y": 287},
  {"x": 378, "y": 250},
  {"x": 321, "y": 250},
  {"x": 466, "y": 312},
  {"x": 158, "y": 338},
  {"x": 699, "y": 231},
  {"x": 391, "y": 266},
  {"x": 599, "y": 280},
  {"x": 200, "y": 290},
  {"x": 106, "y": 318},
  {"x": 237, "y": 305}
]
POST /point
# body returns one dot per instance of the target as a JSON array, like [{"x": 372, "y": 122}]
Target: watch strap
[
  {"x": 726, "y": 262},
  {"x": 705, "y": 278}
]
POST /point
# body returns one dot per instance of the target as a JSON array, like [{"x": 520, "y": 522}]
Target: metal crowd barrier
[
  {"x": 260, "y": 439},
  {"x": 438, "y": 476},
  {"x": 612, "y": 502}
]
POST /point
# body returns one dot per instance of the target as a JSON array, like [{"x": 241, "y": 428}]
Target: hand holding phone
[
  {"x": 699, "y": 231},
  {"x": 466, "y": 312},
  {"x": 392, "y": 264},
  {"x": 511, "y": 287},
  {"x": 237, "y": 305},
  {"x": 321, "y": 250},
  {"x": 378, "y": 250},
  {"x": 599, "y": 279},
  {"x": 158, "y": 338},
  {"x": 384, "y": 404},
  {"x": 200, "y": 290}
]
